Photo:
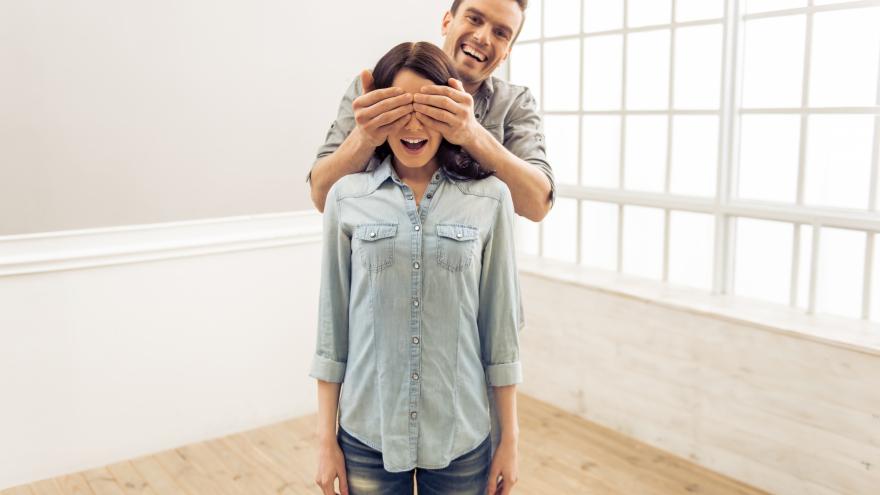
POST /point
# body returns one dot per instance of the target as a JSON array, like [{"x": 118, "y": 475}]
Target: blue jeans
[{"x": 465, "y": 475}]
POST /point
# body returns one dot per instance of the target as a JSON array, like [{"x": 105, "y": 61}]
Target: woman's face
[{"x": 414, "y": 145}]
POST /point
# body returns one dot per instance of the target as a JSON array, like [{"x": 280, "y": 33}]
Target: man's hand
[
  {"x": 449, "y": 111},
  {"x": 378, "y": 113},
  {"x": 504, "y": 464}
]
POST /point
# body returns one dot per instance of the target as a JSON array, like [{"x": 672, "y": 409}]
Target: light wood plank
[
  {"x": 130, "y": 481},
  {"x": 158, "y": 477},
  {"x": 74, "y": 484},
  {"x": 102, "y": 482},
  {"x": 17, "y": 490}
]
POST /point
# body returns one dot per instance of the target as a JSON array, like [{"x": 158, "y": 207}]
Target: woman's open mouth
[{"x": 414, "y": 145}]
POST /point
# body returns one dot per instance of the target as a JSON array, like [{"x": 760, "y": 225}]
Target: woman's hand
[
  {"x": 504, "y": 464},
  {"x": 331, "y": 464}
]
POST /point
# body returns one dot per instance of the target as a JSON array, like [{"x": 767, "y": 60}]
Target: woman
[{"x": 418, "y": 313}]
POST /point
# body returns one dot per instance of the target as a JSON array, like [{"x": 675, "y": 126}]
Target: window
[{"x": 726, "y": 145}]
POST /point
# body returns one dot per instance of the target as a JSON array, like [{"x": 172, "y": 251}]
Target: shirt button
[
  {"x": 415, "y": 376},
  {"x": 430, "y": 196},
  {"x": 415, "y": 340},
  {"x": 413, "y": 415},
  {"x": 417, "y": 228},
  {"x": 408, "y": 196},
  {"x": 416, "y": 303},
  {"x": 458, "y": 235},
  {"x": 372, "y": 234},
  {"x": 416, "y": 265}
]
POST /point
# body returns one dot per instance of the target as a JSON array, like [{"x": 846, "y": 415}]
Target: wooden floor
[{"x": 559, "y": 453}]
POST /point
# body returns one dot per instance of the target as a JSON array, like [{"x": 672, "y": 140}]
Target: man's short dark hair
[{"x": 522, "y": 6}]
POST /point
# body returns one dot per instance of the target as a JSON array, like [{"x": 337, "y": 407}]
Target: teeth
[
  {"x": 470, "y": 51},
  {"x": 413, "y": 141}
]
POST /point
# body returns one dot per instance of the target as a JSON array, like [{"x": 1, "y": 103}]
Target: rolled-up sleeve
[
  {"x": 524, "y": 136},
  {"x": 342, "y": 126},
  {"x": 331, "y": 352},
  {"x": 499, "y": 316}
]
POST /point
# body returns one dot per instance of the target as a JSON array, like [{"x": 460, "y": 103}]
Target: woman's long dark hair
[{"x": 429, "y": 61}]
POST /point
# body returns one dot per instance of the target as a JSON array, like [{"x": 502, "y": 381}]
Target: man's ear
[{"x": 444, "y": 25}]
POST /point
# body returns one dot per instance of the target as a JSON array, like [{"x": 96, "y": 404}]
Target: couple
[{"x": 419, "y": 304}]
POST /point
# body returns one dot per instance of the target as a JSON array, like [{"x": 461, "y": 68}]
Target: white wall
[
  {"x": 123, "y": 342},
  {"x": 118, "y": 112},
  {"x": 785, "y": 413}
]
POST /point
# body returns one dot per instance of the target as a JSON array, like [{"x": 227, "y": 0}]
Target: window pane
[
  {"x": 532, "y": 27},
  {"x": 602, "y": 15},
  {"x": 562, "y": 74},
  {"x": 562, "y": 17},
  {"x": 763, "y": 259},
  {"x": 648, "y": 12},
  {"x": 694, "y": 154},
  {"x": 647, "y": 70},
  {"x": 599, "y": 234},
  {"x": 561, "y": 132},
  {"x": 774, "y": 59},
  {"x": 603, "y": 62},
  {"x": 768, "y": 161},
  {"x": 692, "y": 10},
  {"x": 645, "y": 158},
  {"x": 841, "y": 261},
  {"x": 525, "y": 68},
  {"x": 838, "y": 167},
  {"x": 698, "y": 67},
  {"x": 851, "y": 79},
  {"x": 691, "y": 241},
  {"x": 806, "y": 250},
  {"x": 601, "y": 150},
  {"x": 527, "y": 233},
  {"x": 643, "y": 241},
  {"x": 752, "y": 6},
  {"x": 560, "y": 231}
]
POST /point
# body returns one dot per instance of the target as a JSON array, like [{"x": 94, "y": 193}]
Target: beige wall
[{"x": 126, "y": 112}]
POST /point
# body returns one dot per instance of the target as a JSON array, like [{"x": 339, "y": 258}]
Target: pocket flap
[
  {"x": 375, "y": 231},
  {"x": 458, "y": 232}
]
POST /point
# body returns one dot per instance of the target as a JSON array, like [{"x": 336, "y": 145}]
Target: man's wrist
[{"x": 481, "y": 146}]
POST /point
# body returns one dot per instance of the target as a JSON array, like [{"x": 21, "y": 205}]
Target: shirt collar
[
  {"x": 487, "y": 89},
  {"x": 385, "y": 171}
]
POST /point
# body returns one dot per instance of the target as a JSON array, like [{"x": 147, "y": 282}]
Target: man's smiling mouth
[{"x": 473, "y": 53}]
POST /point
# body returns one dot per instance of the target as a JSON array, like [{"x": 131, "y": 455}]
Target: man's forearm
[
  {"x": 505, "y": 400},
  {"x": 351, "y": 157},
  {"x": 529, "y": 187},
  {"x": 328, "y": 405}
]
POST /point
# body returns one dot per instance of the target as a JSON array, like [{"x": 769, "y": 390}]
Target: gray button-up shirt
[
  {"x": 419, "y": 313},
  {"x": 509, "y": 112}
]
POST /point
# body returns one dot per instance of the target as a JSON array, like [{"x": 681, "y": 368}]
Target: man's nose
[{"x": 482, "y": 34}]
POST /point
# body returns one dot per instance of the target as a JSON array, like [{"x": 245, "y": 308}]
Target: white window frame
[{"x": 723, "y": 206}]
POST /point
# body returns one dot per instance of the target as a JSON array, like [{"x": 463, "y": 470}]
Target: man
[{"x": 495, "y": 122}]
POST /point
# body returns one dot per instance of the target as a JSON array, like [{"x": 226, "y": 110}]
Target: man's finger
[
  {"x": 392, "y": 116},
  {"x": 455, "y": 83},
  {"x": 443, "y": 102},
  {"x": 435, "y": 113},
  {"x": 459, "y": 96},
  {"x": 386, "y": 105},
  {"x": 375, "y": 96},
  {"x": 430, "y": 123},
  {"x": 366, "y": 80}
]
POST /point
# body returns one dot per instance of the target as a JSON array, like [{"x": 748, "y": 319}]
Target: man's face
[{"x": 478, "y": 37}]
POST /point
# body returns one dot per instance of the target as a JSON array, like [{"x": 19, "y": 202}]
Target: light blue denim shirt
[{"x": 419, "y": 313}]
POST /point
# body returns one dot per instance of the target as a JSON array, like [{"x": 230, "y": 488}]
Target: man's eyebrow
[{"x": 472, "y": 10}]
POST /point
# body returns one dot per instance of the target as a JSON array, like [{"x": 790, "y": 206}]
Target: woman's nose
[{"x": 413, "y": 124}]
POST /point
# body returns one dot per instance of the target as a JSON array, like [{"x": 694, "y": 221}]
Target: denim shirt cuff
[
  {"x": 327, "y": 369},
  {"x": 501, "y": 375}
]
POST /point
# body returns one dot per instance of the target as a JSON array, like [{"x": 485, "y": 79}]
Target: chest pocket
[
  {"x": 456, "y": 245},
  {"x": 374, "y": 244}
]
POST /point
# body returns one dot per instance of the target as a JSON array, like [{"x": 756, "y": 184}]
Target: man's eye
[
  {"x": 473, "y": 19},
  {"x": 501, "y": 34}
]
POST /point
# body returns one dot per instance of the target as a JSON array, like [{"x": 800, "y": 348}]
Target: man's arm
[
  {"x": 450, "y": 111},
  {"x": 363, "y": 123}
]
